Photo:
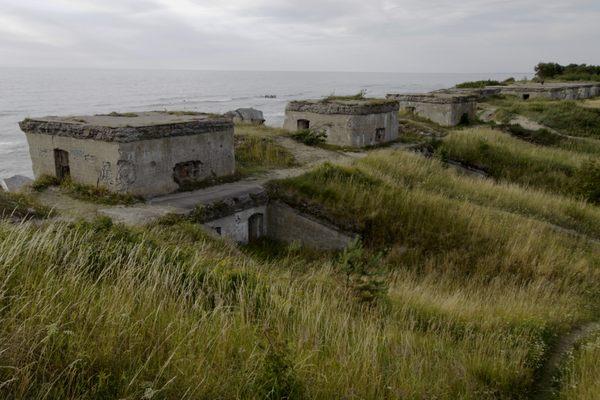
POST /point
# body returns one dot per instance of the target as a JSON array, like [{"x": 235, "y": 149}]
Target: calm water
[{"x": 39, "y": 92}]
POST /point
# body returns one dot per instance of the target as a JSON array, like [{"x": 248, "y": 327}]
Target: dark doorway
[
  {"x": 410, "y": 110},
  {"x": 303, "y": 124},
  {"x": 61, "y": 164},
  {"x": 526, "y": 97},
  {"x": 380, "y": 135},
  {"x": 255, "y": 227},
  {"x": 464, "y": 119}
]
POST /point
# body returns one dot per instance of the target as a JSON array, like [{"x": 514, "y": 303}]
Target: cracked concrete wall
[
  {"x": 555, "y": 93},
  {"x": 143, "y": 168},
  {"x": 349, "y": 130},
  {"x": 445, "y": 114}
]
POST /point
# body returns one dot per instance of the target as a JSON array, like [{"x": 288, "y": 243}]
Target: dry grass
[{"x": 582, "y": 371}]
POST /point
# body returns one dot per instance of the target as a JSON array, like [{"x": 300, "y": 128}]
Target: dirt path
[{"x": 546, "y": 386}]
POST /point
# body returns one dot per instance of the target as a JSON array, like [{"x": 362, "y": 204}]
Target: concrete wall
[
  {"x": 235, "y": 226},
  {"x": 288, "y": 225},
  {"x": 445, "y": 114},
  {"x": 348, "y": 130},
  {"x": 554, "y": 93},
  {"x": 142, "y": 168},
  {"x": 91, "y": 162},
  {"x": 146, "y": 167}
]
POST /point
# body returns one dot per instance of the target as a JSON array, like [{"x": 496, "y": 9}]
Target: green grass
[
  {"x": 545, "y": 137},
  {"x": 568, "y": 117},
  {"x": 20, "y": 206},
  {"x": 92, "y": 194},
  {"x": 581, "y": 372},
  {"x": 256, "y": 152},
  {"x": 511, "y": 160}
]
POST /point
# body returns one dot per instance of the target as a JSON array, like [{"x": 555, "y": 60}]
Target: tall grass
[
  {"x": 512, "y": 160},
  {"x": 580, "y": 380},
  {"x": 19, "y": 206},
  {"x": 96, "y": 311},
  {"x": 259, "y": 153},
  {"x": 565, "y": 116}
]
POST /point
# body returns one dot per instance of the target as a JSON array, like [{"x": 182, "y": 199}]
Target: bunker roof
[
  {"x": 435, "y": 97},
  {"x": 344, "y": 106},
  {"x": 128, "y": 127}
]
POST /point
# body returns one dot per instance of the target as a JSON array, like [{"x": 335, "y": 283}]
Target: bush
[{"x": 310, "y": 137}]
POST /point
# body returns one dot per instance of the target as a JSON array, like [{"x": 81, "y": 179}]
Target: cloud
[{"x": 375, "y": 35}]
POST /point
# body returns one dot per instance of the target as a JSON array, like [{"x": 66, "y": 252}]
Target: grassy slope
[
  {"x": 582, "y": 371},
  {"x": 476, "y": 251},
  {"x": 513, "y": 160},
  {"x": 565, "y": 116},
  {"x": 196, "y": 318}
]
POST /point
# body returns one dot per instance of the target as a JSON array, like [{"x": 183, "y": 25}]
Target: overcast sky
[{"x": 321, "y": 35}]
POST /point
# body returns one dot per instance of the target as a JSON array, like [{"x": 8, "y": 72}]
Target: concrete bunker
[
  {"x": 250, "y": 215},
  {"x": 145, "y": 154},
  {"x": 447, "y": 109},
  {"x": 551, "y": 90},
  {"x": 354, "y": 123}
]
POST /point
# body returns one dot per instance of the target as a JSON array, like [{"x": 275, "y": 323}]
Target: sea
[{"x": 36, "y": 92}]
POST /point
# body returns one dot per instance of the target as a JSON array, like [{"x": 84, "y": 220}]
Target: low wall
[
  {"x": 445, "y": 114},
  {"x": 288, "y": 225}
]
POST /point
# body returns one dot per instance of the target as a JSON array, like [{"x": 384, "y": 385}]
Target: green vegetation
[
  {"x": 310, "y": 137},
  {"x": 255, "y": 154},
  {"x": 568, "y": 117},
  {"x": 571, "y": 72},
  {"x": 93, "y": 194},
  {"x": 359, "y": 96},
  {"x": 512, "y": 160},
  {"x": 20, "y": 206},
  {"x": 545, "y": 137},
  {"x": 580, "y": 375},
  {"x": 484, "y": 83}
]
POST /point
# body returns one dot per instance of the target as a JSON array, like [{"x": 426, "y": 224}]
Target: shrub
[
  {"x": 362, "y": 270},
  {"x": 310, "y": 137},
  {"x": 478, "y": 84}
]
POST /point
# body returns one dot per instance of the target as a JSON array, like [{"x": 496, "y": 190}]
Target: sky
[{"x": 300, "y": 35}]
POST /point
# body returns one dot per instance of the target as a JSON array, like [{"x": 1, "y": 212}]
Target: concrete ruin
[
  {"x": 446, "y": 109},
  {"x": 246, "y": 214},
  {"x": 552, "y": 90},
  {"x": 353, "y": 123},
  {"x": 246, "y": 116},
  {"x": 144, "y": 154}
]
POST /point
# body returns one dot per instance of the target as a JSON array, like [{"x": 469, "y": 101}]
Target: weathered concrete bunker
[
  {"x": 447, "y": 109},
  {"x": 355, "y": 123},
  {"x": 145, "y": 154},
  {"x": 245, "y": 214},
  {"x": 552, "y": 90}
]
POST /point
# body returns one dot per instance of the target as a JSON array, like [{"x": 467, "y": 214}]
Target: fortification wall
[
  {"x": 288, "y": 225},
  {"x": 355, "y": 130},
  {"x": 446, "y": 114}
]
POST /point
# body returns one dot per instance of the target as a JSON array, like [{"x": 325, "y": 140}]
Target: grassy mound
[
  {"x": 255, "y": 153},
  {"x": 509, "y": 159},
  {"x": 568, "y": 117},
  {"x": 580, "y": 374},
  {"x": 19, "y": 206}
]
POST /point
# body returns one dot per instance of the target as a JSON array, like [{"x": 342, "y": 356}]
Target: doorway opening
[
  {"x": 255, "y": 227},
  {"x": 526, "y": 96},
  {"x": 61, "y": 164}
]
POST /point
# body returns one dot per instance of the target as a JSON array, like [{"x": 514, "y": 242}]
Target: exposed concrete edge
[
  {"x": 356, "y": 107},
  {"x": 229, "y": 206},
  {"x": 124, "y": 134}
]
